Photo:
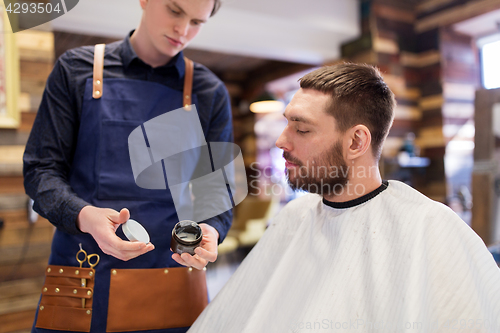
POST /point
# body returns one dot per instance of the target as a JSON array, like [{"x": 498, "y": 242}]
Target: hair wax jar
[{"x": 186, "y": 236}]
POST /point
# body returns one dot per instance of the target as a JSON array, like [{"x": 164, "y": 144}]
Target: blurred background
[{"x": 440, "y": 57}]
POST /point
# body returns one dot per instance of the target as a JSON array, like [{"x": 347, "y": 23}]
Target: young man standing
[
  {"x": 365, "y": 255},
  {"x": 78, "y": 171}
]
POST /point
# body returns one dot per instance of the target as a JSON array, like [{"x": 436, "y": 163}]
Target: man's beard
[{"x": 324, "y": 175}]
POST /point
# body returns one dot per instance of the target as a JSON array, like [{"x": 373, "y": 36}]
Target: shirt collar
[
  {"x": 128, "y": 55},
  {"x": 358, "y": 201}
]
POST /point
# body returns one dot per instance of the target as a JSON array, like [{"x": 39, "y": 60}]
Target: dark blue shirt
[{"x": 51, "y": 146}]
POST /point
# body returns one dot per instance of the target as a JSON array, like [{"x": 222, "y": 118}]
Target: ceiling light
[{"x": 267, "y": 103}]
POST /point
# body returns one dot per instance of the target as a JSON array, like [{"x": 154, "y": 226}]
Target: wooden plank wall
[
  {"x": 24, "y": 247},
  {"x": 410, "y": 63},
  {"x": 458, "y": 70},
  {"x": 486, "y": 168},
  {"x": 461, "y": 78},
  {"x": 433, "y": 14},
  {"x": 422, "y": 59}
]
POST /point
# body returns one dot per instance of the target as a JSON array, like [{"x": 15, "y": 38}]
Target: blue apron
[{"x": 102, "y": 176}]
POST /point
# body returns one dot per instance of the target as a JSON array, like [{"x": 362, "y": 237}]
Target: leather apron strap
[
  {"x": 188, "y": 84},
  {"x": 98, "y": 76},
  {"x": 98, "y": 68}
]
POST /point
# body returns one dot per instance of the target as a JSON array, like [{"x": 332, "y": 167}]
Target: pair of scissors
[{"x": 92, "y": 264}]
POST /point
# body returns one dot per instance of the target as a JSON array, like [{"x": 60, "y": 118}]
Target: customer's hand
[
  {"x": 206, "y": 252},
  {"x": 102, "y": 223}
]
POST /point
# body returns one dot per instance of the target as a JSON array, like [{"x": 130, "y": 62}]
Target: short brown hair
[
  {"x": 217, "y": 4},
  {"x": 359, "y": 96}
]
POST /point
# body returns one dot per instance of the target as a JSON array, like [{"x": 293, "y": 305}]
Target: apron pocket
[
  {"x": 116, "y": 179},
  {"x": 160, "y": 298},
  {"x": 66, "y": 304}
]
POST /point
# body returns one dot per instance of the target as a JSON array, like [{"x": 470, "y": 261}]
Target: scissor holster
[{"x": 62, "y": 294}]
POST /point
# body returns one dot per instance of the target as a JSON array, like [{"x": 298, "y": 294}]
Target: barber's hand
[
  {"x": 207, "y": 251},
  {"x": 102, "y": 223}
]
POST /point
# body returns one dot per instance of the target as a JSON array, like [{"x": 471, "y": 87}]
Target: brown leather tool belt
[
  {"x": 160, "y": 298},
  {"x": 139, "y": 299},
  {"x": 66, "y": 304}
]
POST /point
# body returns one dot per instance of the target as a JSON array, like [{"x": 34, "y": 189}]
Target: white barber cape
[{"x": 392, "y": 261}]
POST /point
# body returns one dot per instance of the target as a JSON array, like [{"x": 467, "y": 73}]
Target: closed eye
[
  {"x": 302, "y": 132},
  {"x": 174, "y": 12}
]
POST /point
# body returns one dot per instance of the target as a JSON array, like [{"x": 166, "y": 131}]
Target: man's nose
[
  {"x": 283, "y": 142},
  {"x": 182, "y": 27}
]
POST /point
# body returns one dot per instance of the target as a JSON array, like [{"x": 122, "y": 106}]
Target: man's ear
[
  {"x": 143, "y": 3},
  {"x": 359, "y": 139}
]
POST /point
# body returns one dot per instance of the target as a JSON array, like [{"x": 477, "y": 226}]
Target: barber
[{"x": 77, "y": 167}]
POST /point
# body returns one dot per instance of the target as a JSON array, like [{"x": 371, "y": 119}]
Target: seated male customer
[{"x": 358, "y": 253}]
